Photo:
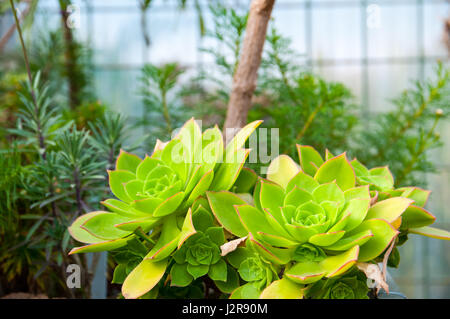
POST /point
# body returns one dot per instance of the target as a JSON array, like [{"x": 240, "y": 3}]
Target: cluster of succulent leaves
[{"x": 298, "y": 233}]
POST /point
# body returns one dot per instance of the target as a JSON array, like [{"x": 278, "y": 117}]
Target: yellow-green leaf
[{"x": 143, "y": 278}]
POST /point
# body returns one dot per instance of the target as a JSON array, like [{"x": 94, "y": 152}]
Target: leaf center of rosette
[{"x": 342, "y": 291}]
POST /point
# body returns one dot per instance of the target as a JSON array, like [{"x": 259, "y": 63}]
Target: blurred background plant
[{"x": 96, "y": 95}]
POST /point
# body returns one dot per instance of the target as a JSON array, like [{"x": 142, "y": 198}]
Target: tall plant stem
[
  {"x": 244, "y": 79},
  {"x": 8, "y": 35},
  {"x": 309, "y": 121},
  {"x": 25, "y": 55},
  {"x": 166, "y": 111},
  {"x": 30, "y": 79}
]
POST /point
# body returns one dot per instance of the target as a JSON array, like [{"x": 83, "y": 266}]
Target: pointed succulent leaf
[
  {"x": 241, "y": 137},
  {"x": 281, "y": 170},
  {"x": 246, "y": 181},
  {"x": 358, "y": 208},
  {"x": 255, "y": 221},
  {"x": 187, "y": 230},
  {"x": 329, "y": 192},
  {"x": 222, "y": 206},
  {"x": 102, "y": 246},
  {"x": 310, "y": 159},
  {"x": 143, "y": 278},
  {"x": 173, "y": 156},
  {"x": 148, "y": 205},
  {"x": 309, "y": 272},
  {"x": 247, "y": 291},
  {"x": 383, "y": 234},
  {"x": 357, "y": 192},
  {"x": 420, "y": 196},
  {"x": 134, "y": 189},
  {"x": 236, "y": 257},
  {"x": 271, "y": 198},
  {"x": 339, "y": 264},
  {"x": 326, "y": 239},
  {"x": 202, "y": 219},
  {"x": 218, "y": 271},
  {"x": 119, "y": 274},
  {"x": 348, "y": 242},
  {"x": 300, "y": 233},
  {"x": 229, "y": 171},
  {"x": 82, "y": 235},
  {"x": 341, "y": 223},
  {"x": 127, "y": 162},
  {"x": 389, "y": 209},
  {"x": 277, "y": 241},
  {"x": 212, "y": 148},
  {"x": 216, "y": 235},
  {"x": 283, "y": 289},
  {"x": 306, "y": 272},
  {"x": 383, "y": 178},
  {"x": 328, "y": 154},
  {"x": 180, "y": 276},
  {"x": 415, "y": 216},
  {"x": 231, "y": 283},
  {"x": 431, "y": 232},
  {"x": 197, "y": 270},
  {"x": 122, "y": 208},
  {"x": 146, "y": 166},
  {"x": 146, "y": 223},
  {"x": 302, "y": 181},
  {"x": 194, "y": 177},
  {"x": 168, "y": 240},
  {"x": 297, "y": 196},
  {"x": 102, "y": 226},
  {"x": 201, "y": 187},
  {"x": 279, "y": 256},
  {"x": 169, "y": 205},
  {"x": 117, "y": 179},
  {"x": 337, "y": 169},
  {"x": 360, "y": 169}
]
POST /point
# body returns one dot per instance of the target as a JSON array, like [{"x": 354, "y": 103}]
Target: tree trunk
[{"x": 244, "y": 80}]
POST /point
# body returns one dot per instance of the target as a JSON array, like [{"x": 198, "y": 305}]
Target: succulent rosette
[
  {"x": 200, "y": 254},
  {"x": 319, "y": 218},
  {"x": 154, "y": 196},
  {"x": 353, "y": 285},
  {"x": 256, "y": 271}
]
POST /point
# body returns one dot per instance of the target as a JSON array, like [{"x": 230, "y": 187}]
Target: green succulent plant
[
  {"x": 321, "y": 217},
  {"x": 350, "y": 286},
  {"x": 154, "y": 196},
  {"x": 254, "y": 269},
  {"x": 200, "y": 254}
]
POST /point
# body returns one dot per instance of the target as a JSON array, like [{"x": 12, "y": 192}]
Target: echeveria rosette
[
  {"x": 257, "y": 272},
  {"x": 169, "y": 181},
  {"x": 200, "y": 254},
  {"x": 324, "y": 215},
  {"x": 352, "y": 285},
  {"x": 155, "y": 193}
]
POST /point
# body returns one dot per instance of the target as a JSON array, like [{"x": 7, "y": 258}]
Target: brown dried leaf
[
  {"x": 231, "y": 245},
  {"x": 374, "y": 272}
]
